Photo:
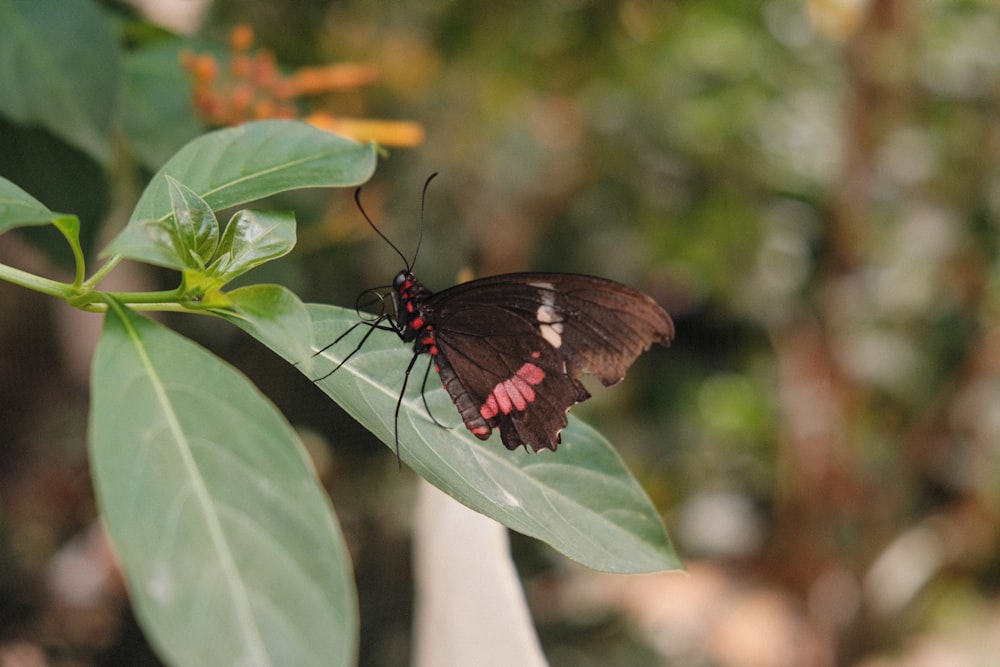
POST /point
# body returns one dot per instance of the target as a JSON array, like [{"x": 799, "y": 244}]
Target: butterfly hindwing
[{"x": 514, "y": 381}]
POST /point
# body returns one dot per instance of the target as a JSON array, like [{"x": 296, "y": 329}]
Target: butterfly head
[
  {"x": 403, "y": 280},
  {"x": 406, "y": 288}
]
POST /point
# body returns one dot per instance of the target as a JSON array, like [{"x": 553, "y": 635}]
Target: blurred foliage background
[{"x": 810, "y": 187}]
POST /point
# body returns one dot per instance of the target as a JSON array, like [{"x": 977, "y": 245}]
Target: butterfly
[{"x": 510, "y": 349}]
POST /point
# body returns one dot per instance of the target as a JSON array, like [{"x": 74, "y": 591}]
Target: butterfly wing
[{"x": 511, "y": 348}]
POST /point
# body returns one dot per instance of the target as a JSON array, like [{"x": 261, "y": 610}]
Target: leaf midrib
[{"x": 242, "y": 604}]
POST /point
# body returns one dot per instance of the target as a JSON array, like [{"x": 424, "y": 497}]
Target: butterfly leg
[
  {"x": 399, "y": 404},
  {"x": 371, "y": 330}
]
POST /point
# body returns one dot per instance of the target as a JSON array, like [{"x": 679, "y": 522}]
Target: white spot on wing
[
  {"x": 551, "y": 335},
  {"x": 550, "y": 324}
]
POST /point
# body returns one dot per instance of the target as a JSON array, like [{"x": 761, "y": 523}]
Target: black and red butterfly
[{"x": 510, "y": 349}]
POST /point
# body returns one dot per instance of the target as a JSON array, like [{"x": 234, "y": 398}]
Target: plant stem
[
  {"x": 37, "y": 283},
  {"x": 85, "y": 298},
  {"x": 163, "y": 296},
  {"x": 105, "y": 269}
]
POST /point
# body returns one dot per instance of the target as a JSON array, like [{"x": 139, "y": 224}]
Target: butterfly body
[{"x": 510, "y": 349}]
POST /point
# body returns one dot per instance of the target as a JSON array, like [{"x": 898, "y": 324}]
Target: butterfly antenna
[
  {"x": 420, "y": 234},
  {"x": 357, "y": 200}
]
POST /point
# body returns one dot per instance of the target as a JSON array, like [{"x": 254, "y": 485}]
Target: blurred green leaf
[
  {"x": 581, "y": 500},
  {"x": 158, "y": 115},
  {"x": 227, "y": 540},
  {"x": 61, "y": 70},
  {"x": 58, "y": 174}
]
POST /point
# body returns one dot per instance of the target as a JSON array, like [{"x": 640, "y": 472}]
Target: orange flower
[
  {"x": 253, "y": 87},
  {"x": 385, "y": 132}
]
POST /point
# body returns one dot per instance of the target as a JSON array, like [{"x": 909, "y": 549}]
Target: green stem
[
  {"x": 99, "y": 306},
  {"x": 169, "y": 296},
  {"x": 90, "y": 300},
  {"x": 71, "y": 232},
  {"x": 105, "y": 269},
  {"x": 37, "y": 283}
]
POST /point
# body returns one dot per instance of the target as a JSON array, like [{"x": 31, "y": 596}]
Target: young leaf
[
  {"x": 581, "y": 500},
  {"x": 184, "y": 240},
  {"x": 252, "y": 238},
  {"x": 226, "y": 538},
  {"x": 195, "y": 230}
]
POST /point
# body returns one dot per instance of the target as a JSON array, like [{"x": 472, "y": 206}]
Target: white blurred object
[
  {"x": 183, "y": 16},
  {"x": 470, "y": 607},
  {"x": 721, "y": 524},
  {"x": 83, "y": 572},
  {"x": 903, "y": 568}
]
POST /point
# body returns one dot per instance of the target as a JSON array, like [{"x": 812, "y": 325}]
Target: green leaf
[
  {"x": 275, "y": 316},
  {"x": 241, "y": 164},
  {"x": 153, "y": 242},
  {"x": 184, "y": 240},
  {"x": 60, "y": 69},
  {"x": 195, "y": 230},
  {"x": 19, "y": 209},
  {"x": 69, "y": 227},
  {"x": 252, "y": 238},
  {"x": 228, "y": 543},
  {"x": 581, "y": 500}
]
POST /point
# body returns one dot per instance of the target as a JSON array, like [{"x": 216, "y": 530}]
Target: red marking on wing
[
  {"x": 531, "y": 373},
  {"x": 513, "y": 393}
]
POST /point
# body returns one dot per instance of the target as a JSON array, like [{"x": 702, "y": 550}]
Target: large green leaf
[
  {"x": 275, "y": 316},
  {"x": 60, "y": 69},
  {"x": 581, "y": 500},
  {"x": 227, "y": 540},
  {"x": 241, "y": 164}
]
